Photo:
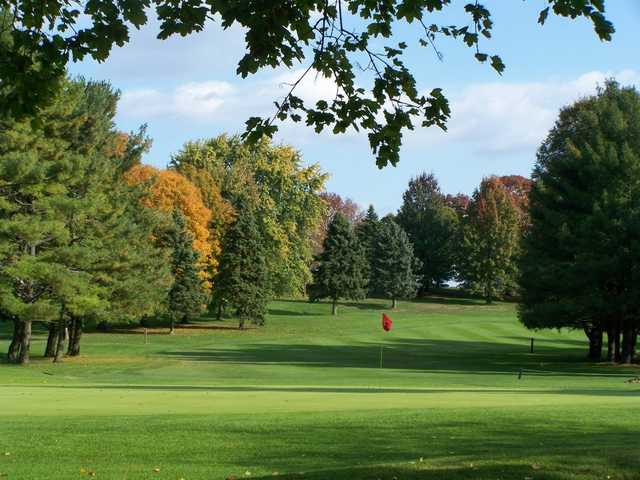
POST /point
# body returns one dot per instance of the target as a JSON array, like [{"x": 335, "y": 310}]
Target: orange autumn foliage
[{"x": 169, "y": 190}]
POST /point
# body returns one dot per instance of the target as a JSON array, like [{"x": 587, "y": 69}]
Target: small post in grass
[
  {"x": 146, "y": 341},
  {"x": 531, "y": 344}
]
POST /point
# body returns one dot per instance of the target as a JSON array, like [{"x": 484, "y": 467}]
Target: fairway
[{"x": 459, "y": 396}]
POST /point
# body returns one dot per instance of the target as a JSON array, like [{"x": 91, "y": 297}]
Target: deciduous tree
[
  {"x": 334, "y": 203},
  {"x": 490, "y": 243},
  {"x": 327, "y": 38},
  {"x": 432, "y": 228},
  {"x": 283, "y": 193},
  {"x": 580, "y": 255},
  {"x": 167, "y": 191}
]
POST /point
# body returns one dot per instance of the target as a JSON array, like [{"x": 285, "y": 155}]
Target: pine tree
[
  {"x": 242, "y": 282},
  {"x": 491, "y": 236},
  {"x": 366, "y": 231},
  {"x": 60, "y": 219},
  {"x": 342, "y": 265},
  {"x": 186, "y": 296},
  {"x": 394, "y": 265},
  {"x": 580, "y": 254}
]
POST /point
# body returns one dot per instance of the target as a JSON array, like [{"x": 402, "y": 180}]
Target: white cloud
[
  {"x": 497, "y": 118},
  {"x": 223, "y": 104},
  {"x": 194, "y": 100},
  {"x": 503, "y": 117}
]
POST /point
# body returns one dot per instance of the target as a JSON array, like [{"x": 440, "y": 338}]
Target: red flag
[{"x": 386, "y": 322}]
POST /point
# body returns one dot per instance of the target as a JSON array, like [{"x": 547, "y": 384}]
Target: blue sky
[{"x": 186, "y": 88}]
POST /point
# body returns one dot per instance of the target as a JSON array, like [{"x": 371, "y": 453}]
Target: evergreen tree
[
  {"x": 366, "y": 230},
  {"x": 342, "y": 265},
  {"x": 432, "y": 228},
  {"x": 490, "y": 241},
  {"x": 58, "y": 188},
  {"x": 243, "y": 278},
  {"x": 580, "y": 254},
  {"x": 186, "y": 296},
  {"x": 394, "y": 264}
]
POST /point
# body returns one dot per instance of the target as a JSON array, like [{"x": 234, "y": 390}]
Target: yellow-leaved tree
[{"x": 168, "y": 190}]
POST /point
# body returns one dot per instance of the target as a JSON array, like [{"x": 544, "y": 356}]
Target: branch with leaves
[{"x": 38, "y": 39}]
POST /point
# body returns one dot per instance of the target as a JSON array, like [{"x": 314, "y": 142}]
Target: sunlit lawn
[{"x": 305, "y": 397}]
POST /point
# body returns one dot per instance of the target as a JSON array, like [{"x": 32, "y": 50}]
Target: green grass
[{"x": 304, "y": 397}]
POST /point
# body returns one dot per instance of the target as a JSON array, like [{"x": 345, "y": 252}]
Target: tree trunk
[
  {"x": 394, "y": 303},
  {"x": 52, "y": 341},
  {"x": 172, "y": 328},
  {"x": 627, "y": 345},
  {"x": 60, "y": 344},
  {"x": 487, "y": 295},
  {"x": 334, "y": 307},
  {"x": 219, "y": 313},
  {"x": 616, "y": 345},
  {"x": 241, "y": 321},
  {"x": 74, "y": 337},
  {"x": 611, "y": 351},
  {"x": 16, "y": 342},
  {"x": 595, "y": 342},
  {"x": 25, "y": 343}
]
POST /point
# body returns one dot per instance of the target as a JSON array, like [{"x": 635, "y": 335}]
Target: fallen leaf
[{"x": 156, "y": 470}]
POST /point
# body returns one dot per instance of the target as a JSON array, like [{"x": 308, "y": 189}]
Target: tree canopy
[
  {"x": 490, "y": 241},
  {"x": 68, "y": 227},
  {"x": 579, "y": 267},
  {"x": 432, "y": 228},
  {"x": 334, "y": 39},
  {"x": 167, "y": 191},
  {"x": 342, "y": 270},
  {"x": 394, "y": 269},
  {"x": 282, "y": 192}
]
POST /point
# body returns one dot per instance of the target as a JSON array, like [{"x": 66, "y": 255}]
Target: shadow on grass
[
  {"x": 291, "y": 313},
  {"x": 603, "y": 392},
  {"x": 368, "y": 304},
  {"x": 440, "y": 300},
  {"x": 469, "y": 472},
  {"x": 429, "y": 356}
]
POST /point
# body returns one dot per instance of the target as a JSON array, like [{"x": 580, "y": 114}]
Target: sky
[{"x": 185, "y": 88}]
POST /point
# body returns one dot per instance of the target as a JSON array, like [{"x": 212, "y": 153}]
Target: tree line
[
  {"x": 565, "y": 244},
  {"x": 90, "y": 234},
  {"x": 434, "y": 240}
]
